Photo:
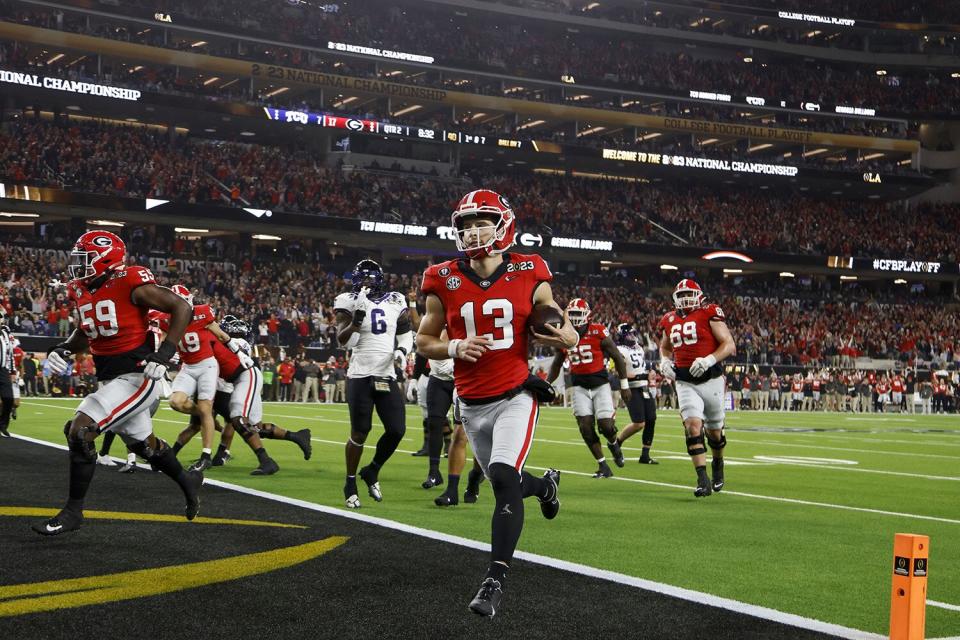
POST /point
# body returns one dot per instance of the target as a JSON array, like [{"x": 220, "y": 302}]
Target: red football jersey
[
  {"x": 690, "y": 334},
  {"x": 113, "y": 324},
  {"x": 897, "y": 385},
  {"x": 18, "y": 355},
  {"x": 496, "y": 307},
  {"x": 587, "y": 357},
  {"x": 195, "y": 345},
  {"x": 797, "y": 386},
  {"x": 227, "y": 360}
]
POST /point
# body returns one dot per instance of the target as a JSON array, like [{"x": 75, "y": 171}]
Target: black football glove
[{"x": 159, "y": 360}]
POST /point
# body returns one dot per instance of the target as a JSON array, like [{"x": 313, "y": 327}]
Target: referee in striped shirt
[{"x": 6, "y": 386}]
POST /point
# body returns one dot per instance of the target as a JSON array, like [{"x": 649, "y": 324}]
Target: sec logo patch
[{"x": 453, "y": 283}]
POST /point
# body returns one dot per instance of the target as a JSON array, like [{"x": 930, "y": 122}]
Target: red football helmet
[
  {"x": 578, "y": 311},
  {"x": 486, "y": 204},
  {"x": 95, "y": 253},
  {"x": 183, "y": 292},
  {"x": 687, "y": 296}
]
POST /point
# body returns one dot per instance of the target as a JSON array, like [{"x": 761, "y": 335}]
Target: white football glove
[
  {"x": 363, "y": 302},
  {"x": 700, "y": 365},
  {"x": 666, "y": 369},
  {"x": 175, "y": 360},
  {"x": 400, "y": 357},
  {"x": 59, "y": 360},
  {"x": 154, "y": 370},
  {"x": 245, "y": 361}
]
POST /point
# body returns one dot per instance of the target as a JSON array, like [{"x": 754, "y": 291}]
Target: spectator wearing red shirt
[{"x": 285, "y": 371}]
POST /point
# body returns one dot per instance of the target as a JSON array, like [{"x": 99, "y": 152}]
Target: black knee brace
[
  {"x": 697, "y": 442},
  {"x": 607, "y": 427},
  {"x": 81, "y": 449},
  {"x": 151, "y": 454},
  {"x": 242, "y": 426},
  {"x": 589, "y": 435},
  {"x": 266, "y": 430},
  {"x": 718, "y": 445}
]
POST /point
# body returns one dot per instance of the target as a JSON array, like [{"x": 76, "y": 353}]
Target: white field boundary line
[
  {"x": 796, "y": 464},
  {"x": 943, "y": 605},
  {"x": 680, "y": 593},
  {"x": 669, "y": 485}
]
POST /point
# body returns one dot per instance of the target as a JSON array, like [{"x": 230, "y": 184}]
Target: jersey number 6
[{"x": 689, "y": 334}]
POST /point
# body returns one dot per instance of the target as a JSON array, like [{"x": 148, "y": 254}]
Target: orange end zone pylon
[{"x": 908, "y": 598}]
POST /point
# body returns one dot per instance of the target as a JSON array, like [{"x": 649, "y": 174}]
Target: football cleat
[
  {"x": 106, "y": 461},
  {"x": 448, "y": 500},
  {"x": 201, "y": 465},
  {"x": 487, "y": 600},
  {"x": 717, "y": 465},
  {"x": 267, "y": 468},
  {"x": 192, "y": 493},
  {"x": 617, "y": 453},
  {"x": 433, "y": 480},
  {"x": 603, "y": 471},
  {"x": 647, "y": 460},
  {"x": 703, "y": 487},
  {"x": 302, "y": 438},
  {"x": 550, "y": 506},
  {"x": 4, "y": 433},
  {"x": 353, "y": 501},
  {"x": 221, "y": 458},
  {"x": 64, "y": 521},
  {"x": 422, "y": 453},
  {"x": 373, "y": 485},
  {"x": 128, "y": 467}
]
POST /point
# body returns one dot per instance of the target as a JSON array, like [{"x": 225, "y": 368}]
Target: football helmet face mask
[
  {"x": 484, "y": 240},
  {"x": 368, "y": 274},
  {"x": 626, "y": 334},
  {"x": 578, "y": 311},
  {"x": 183, "y": 292},
  {"x": 235, "y": 327},
  {"x": 687, "y": 296},
  {"x": 94, "y": 254}
]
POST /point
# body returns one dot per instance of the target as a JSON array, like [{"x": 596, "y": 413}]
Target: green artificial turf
[{"x": 757, "y": 541}]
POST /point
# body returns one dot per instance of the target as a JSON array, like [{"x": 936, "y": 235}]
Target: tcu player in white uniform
[
  {"x": 642, "y": 404},
  {"x": 381, "y": 323},
  {"x": 696, "y": 335}
]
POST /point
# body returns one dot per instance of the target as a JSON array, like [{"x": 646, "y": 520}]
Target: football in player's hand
[{"x": 541, "y": 316}]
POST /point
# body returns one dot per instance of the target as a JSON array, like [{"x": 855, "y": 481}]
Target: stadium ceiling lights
[
  {"x": 848, "y": 277},
  {"x": 55, "y": 58},
  {"x": 409, "y": 109},
  {"x": 759, "y": 147},
  {"x": 899, "y": 281},
  {"x": 786, "y": 274},
  {"x": 6, "y": 214},
  {"x": 190, "y": 230},
  {"x": 668, "y": 267},
  {"x": 881, "y": 72},
  {"x": 733, "y": 270},
  {"x": 106, "y": 223},
  {"x": 263, "y": 236},
  {"x": 734, "y": 255}
]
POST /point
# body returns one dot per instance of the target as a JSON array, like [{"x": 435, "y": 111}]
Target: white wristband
[
  {"x": 452, "y": 347},
  {"x": 412, "y": 304},
  {"x": 624, "y": 383},
  {"x": 711, "y": 360}
]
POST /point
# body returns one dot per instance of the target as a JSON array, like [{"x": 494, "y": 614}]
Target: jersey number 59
[{"x": 103, "y": 322}]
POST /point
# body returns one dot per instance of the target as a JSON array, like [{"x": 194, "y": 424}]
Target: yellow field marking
[
  {"x": 20, "y": 599},
  {"x": 142, "y": 517}
]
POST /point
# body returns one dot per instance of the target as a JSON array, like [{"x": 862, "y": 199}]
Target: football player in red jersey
[
  {"x": 112, "y": 301},
  {"x": 199, "y": 370},
  {"x": 484, "y": 302},
  {"x": 695, "y": 341},
  {"x": 238, "y": 401},
  {"x": 591, "y": 388}
]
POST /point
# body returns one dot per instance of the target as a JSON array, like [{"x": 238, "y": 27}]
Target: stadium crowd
[
  {"x": 480, "y": 43},
  {"x": 288, "y": 303},
  {"x": 141, "y": 162}
]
